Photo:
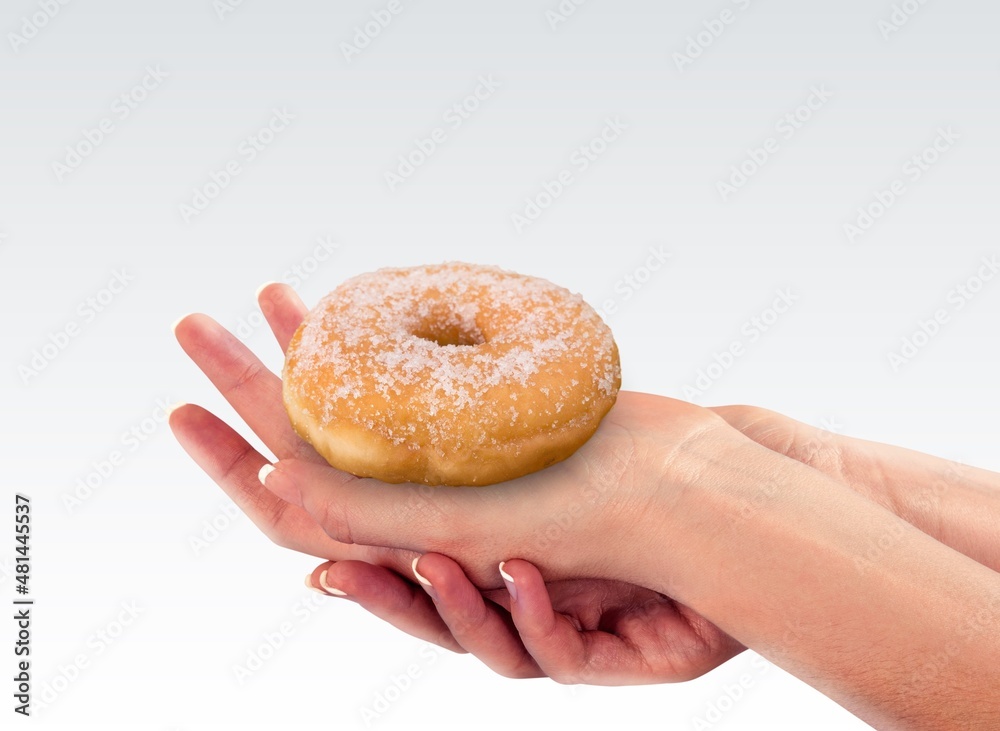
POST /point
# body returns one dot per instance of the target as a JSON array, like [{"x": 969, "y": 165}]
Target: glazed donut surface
[{"x": 451, "y": 374}]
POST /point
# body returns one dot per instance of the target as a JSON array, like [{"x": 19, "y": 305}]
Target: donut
[{"x": 449, "y": 374}]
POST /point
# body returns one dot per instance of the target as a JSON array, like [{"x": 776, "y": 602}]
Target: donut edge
[{"x": 354, "y": 449}]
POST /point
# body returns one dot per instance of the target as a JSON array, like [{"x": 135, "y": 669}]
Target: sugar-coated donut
[{"x": 450, "y": 374}]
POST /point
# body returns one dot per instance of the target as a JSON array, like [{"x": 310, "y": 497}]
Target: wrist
[
  {"x": 706, "y": 487},
  {"x": 856, "y": 463}
]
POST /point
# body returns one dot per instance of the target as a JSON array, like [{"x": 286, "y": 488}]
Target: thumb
[{"x": 370, "y": 512}]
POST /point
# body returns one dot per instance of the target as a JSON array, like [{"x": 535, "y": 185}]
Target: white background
[{"x": 65, "y": 233}]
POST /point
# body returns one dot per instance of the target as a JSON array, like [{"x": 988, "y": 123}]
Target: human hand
[
  {"x": 577, "y": 631},
  {"x": 255, "y": 393},
  {"x": 589, "y": 516},
  {"x": 809, "y": 530},
  {"x": 579, "y": 636},
  {"x": 592, "y": 631},
  {"x": 210, "y": 440}
]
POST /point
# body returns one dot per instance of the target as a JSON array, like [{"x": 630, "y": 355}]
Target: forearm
[
  {"x": 895, "y": 626},
  {"x": 954, "y": 503},
  {"x": 957, "y": 504}
]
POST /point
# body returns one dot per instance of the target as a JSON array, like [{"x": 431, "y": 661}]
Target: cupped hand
[
  {"x": 578, "y": 631},
  {"x": 587, "y": 516},
  {"x": 614, "y": 608},
  {"x": 376, "y": 572},
  {"x": 322, "y": 511},
  {"x": 598, "y": 514}
]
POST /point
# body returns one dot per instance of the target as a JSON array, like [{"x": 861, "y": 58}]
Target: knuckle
[
  {"x": 468, "y": 624},
  {"x": 449, "y": 528},
  {"x": 446, "y": 640},
  {"x": 564, "y": 677},
  {"x": 542, "y": 636},
  {"x": 273, "y": 522},
  {"x": 444, "y": 525},
  {"x": 819, "y": 451},
  {"x": 231, "y": 470},
  {"x": 250, "y": 373},
  {"x": 334, "y": 520}
]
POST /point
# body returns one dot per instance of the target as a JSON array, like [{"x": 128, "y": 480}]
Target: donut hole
[
  {"x": 443, "y": 334},
  {"x": 444, "y": 325}
]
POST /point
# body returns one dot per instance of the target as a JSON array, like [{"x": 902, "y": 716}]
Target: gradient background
[{"x": 823, "y": 361}]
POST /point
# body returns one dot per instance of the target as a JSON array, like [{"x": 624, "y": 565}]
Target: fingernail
[
  {"x": 281, "y": 486},
  {"x": 309, "y": 584},
  {"x": 331, "y": 590},
  {"x": 508, "y": 581},
  {"x": 174, "y": 408},
  {"x": 262, "y": 287},
  {"x": 428, "y": 587}
]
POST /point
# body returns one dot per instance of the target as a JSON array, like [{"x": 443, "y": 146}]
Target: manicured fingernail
[
  {"x": 174, "y": 408},
  {"x": 309, "y": 584},
  {"x": 332, "y": 590},
  {"x": 262, "y": 287},
  {"x": 508, "y": 581},
  {"x": 428, "y": 587},
  {"x": 280, "y": 486}
]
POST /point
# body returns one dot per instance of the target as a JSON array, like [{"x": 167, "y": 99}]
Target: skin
[
  {"x": 672, "y": 500},
  {"x": 372, "y": 576}
]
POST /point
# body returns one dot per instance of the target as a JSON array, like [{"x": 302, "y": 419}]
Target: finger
[
  {"x": 720, "y": 646},
  {"x": 234, "y": 465},
  {"x": 245, "y": 383},
  {"x": 370, "y": 512},
  {"x": 479, "y": 626},
  {"x": 563, "y": 651},
  {"x": 283, "y": 310},
  {"x": 388, "y": 596}
]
